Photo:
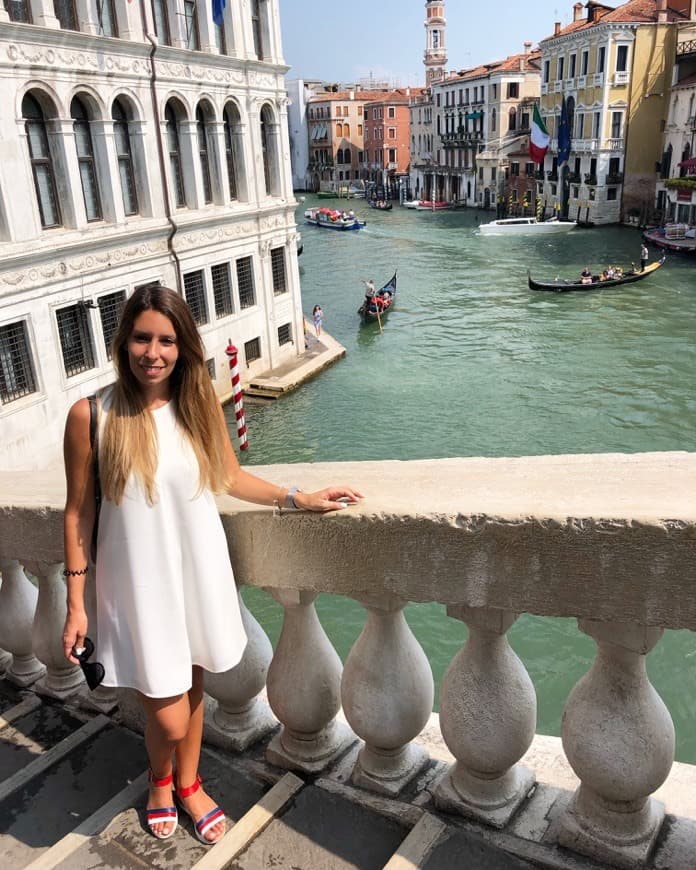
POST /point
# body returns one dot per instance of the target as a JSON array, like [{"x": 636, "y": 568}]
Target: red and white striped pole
[{"x": 232, "y": 352}]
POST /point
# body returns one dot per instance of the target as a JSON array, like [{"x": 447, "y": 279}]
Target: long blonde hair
[{"x": 129, "y": 442}]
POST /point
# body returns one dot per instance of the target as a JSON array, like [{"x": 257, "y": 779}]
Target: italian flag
[{"x": 539, "y": 138}]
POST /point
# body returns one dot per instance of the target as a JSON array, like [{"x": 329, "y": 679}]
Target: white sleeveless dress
[{"x": 166, "y": 596}]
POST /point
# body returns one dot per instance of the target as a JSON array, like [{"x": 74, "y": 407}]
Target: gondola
[
  {"x": 379, "y": 204},
  {"x": 369, "y": 309},
  {"x": 628, "y": 277}
]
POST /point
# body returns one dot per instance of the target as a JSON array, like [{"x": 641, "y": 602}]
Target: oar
[{"x": 379, "y": 319}]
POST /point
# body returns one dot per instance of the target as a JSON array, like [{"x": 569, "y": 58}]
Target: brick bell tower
[{"x": 435, "y": 55}]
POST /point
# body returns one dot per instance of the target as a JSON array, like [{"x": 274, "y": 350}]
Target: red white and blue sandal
[
  {"x": 159, "y": 815},
  {"x": 206, "y": 822}
]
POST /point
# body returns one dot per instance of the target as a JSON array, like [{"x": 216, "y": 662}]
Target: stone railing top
[{"x": 605, "y": 536}]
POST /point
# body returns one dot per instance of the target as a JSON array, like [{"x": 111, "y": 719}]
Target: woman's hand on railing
[
  {"x": 332, "y": 498},
  {"x": 74, "y": 633}
]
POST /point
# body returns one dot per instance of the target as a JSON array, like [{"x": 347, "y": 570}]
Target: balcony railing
[
  {"x": 614, "y": 178},
  {"x": 552, "y": 175},
  {"x": 574, "y": 178},
  {"x": 608, "y": 539},
  {"x": 616, "y": 144},
  {"x": 590, "y": 180}
]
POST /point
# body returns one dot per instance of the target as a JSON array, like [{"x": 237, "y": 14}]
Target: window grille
[
  {"x": 41, "y": 163},
  {"x": 124, "y": 155},
  {"x": 85, "y": 159},
  {"x": 222, "y": 289},
  {"x": 18, "y": 10},
  {"x": 107, "y": 18},
  {"x": 245, "y": 282},
  {"x": 17, "y": 376},
  {"x": 256, "y": 28},
  {"x": 192, "y": 41},
  {"x": 284, "y": 334},
  {"x": 175, "y": 156},
  {"x": 252, "y": 350},
  {"x": 194, "y": 290},
  {"x": 65, "y": 13},
  {"x": 202, "y": 135},
  {"x": 159, "y": 14},
  {"x": 110, "y": 308},
  {"x": 278, "y": 270},
  {"x": 75, "y": 339}
]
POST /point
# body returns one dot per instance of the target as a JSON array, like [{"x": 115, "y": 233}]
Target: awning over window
[
  {"x": 689, "y": 165},
  {"x": 474, "y": 114},
  {"x": 319, "y": 132}
]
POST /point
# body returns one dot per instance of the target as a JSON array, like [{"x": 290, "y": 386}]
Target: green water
[{"x": 473, "y": 363}]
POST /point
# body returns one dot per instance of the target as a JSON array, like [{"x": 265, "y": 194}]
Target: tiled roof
[
  {"x": 635, "y": 11},
  {"x": 509, "y": 64},
  {"x": 397, "y": 95}
]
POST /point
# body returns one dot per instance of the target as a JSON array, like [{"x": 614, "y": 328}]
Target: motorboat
[
  {"x": 525, "y": 226},
  {"x": 332, "y": 219}
]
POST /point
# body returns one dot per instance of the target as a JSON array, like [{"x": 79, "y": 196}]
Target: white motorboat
[{"x": 525, "y": 226}]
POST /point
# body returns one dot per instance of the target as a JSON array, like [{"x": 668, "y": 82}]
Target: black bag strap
[{"x": 94, "y": 444}]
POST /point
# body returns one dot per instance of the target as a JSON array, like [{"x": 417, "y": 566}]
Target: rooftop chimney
[
  {"x": 527, "y": 47},
  {"x": 577, "y": 12},
  {"x": 556, "y": 28},
  {"x": 661, "y": 11}
]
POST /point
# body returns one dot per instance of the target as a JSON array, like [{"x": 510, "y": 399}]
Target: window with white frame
[
  {"x": 41, "y": 163},
  {"x": 85, "y": 160},
  {"x": 621, "y": 58},
  {"x": 278, "y": 271},
  {"x": 161, "y": 19},
  {"x": 194, "y": 291},
  {"x": 245, "y": 282},
  {"x": 601, "y": 58},
  {"x": 17, "y": 375},
  {"x": 269, "y": 150},
  {"x": 193, "y": 42},
  {"x": 203, "y": 154},
  {"x": 110, "y": 308},
  {"x": 257, "y": 29},
  {"x": 177, "y": 178},
  {"x": 106, "y": 16},
  {"x": 66, "y": 14},
  {"x": 584, "y": 62},
  {"x": 124, "y": 155},
  {"x": 616, "y": 124},
  {"x": 75, "y": 339},
  {"x": 18, "y": 10},
  {"x": 222, "y": 289}
]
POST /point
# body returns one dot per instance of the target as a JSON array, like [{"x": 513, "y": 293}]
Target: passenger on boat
[{"x": 586, "y": 276}]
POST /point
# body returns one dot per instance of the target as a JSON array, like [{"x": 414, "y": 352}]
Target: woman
[
  {"x": 167, "y": 605},
  {"x": 318, "y": 316}
]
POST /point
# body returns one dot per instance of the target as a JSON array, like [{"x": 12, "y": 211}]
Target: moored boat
[
  {"x": 630, "y": 276},
  {"x": 377, "y": 305},
  {"x": 525, "y": 226},
  {"x": 674, "y": 237},
  {"x": 433, "y": 205},
  {"x": 332, "y": 219},
  {"x": 379, "y": 204}
]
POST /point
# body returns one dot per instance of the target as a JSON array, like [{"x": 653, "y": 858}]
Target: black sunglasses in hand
[{"x": 93, "y": 671}]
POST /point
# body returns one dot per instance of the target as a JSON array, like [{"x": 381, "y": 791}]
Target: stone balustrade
[{"x": 607, "y": 539}]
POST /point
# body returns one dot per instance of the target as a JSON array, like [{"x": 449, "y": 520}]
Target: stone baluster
[
  {"x": 387, "y": 693},
  {"x": 62, "y": 678},
  {"x": 240, "y": 717},
  {"x": 304, "y": 686},
  {"x": 487, "y": 718},
  {"x": 18, "y": 597},
  {"x": 5, "y": 661},
  {"x": 619, "y": 739}
]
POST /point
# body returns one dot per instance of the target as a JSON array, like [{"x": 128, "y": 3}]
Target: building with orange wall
[{"x": 386, "y": 137}]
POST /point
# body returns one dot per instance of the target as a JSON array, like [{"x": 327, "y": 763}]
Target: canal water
[{"x": 473, "y": 363}]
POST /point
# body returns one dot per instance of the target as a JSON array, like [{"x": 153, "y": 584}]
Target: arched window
[
  {"x": 494, "y": 119},
  {"x": 85, "y": 159},
  {"x": 339, "y": 156},
  {"x": 257, "y": 29},
  {"x": 512, "y": 119},
  {"x": 124, "y": 155},
  {"x": 230, "y": 122},
  {"x": 686, "y": 155},
  {"x": 346, "y": 131},
  {"x": 161, "y": 19},
  {"x": 346, "y": 155},
  {"x": 339, "y": 131},
  {"x": 174, "y": 155},
  {"x": 41, "y": 163},
  {"x": 19, "y": 10},
  {"x": 269, "y": 147},
  {"x": 65, "y": 13},
  {"x": 203, "y": 155}
]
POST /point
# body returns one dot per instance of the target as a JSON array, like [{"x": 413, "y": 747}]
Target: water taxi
[
  {"x": 332, "y": 219},
  {"x": 525, "y": 226}
]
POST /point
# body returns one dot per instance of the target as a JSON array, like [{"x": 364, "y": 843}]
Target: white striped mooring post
[{"x": 232, "y": 352}]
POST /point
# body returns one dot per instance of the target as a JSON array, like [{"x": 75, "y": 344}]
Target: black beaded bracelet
[{"x": 68, "y": 573}]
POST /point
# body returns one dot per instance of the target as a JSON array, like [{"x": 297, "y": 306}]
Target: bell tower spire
[{"x": 435, "y": 55}]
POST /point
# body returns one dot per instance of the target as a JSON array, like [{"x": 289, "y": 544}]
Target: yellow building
[{"x": 614, "y": 68}]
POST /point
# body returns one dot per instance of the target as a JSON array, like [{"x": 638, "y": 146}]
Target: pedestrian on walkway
[
  {"x": 318, "y": 316},
  {"x": 167, "y": 606}
]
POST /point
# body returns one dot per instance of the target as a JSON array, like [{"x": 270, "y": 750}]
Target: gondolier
[
  {"x": 377, "y": 303},
  {"x": 644, "y": 256},
  {"x": 628, "y": 276}
]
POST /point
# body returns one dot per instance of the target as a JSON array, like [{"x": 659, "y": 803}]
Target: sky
[{"x": 349, "y": 40}]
